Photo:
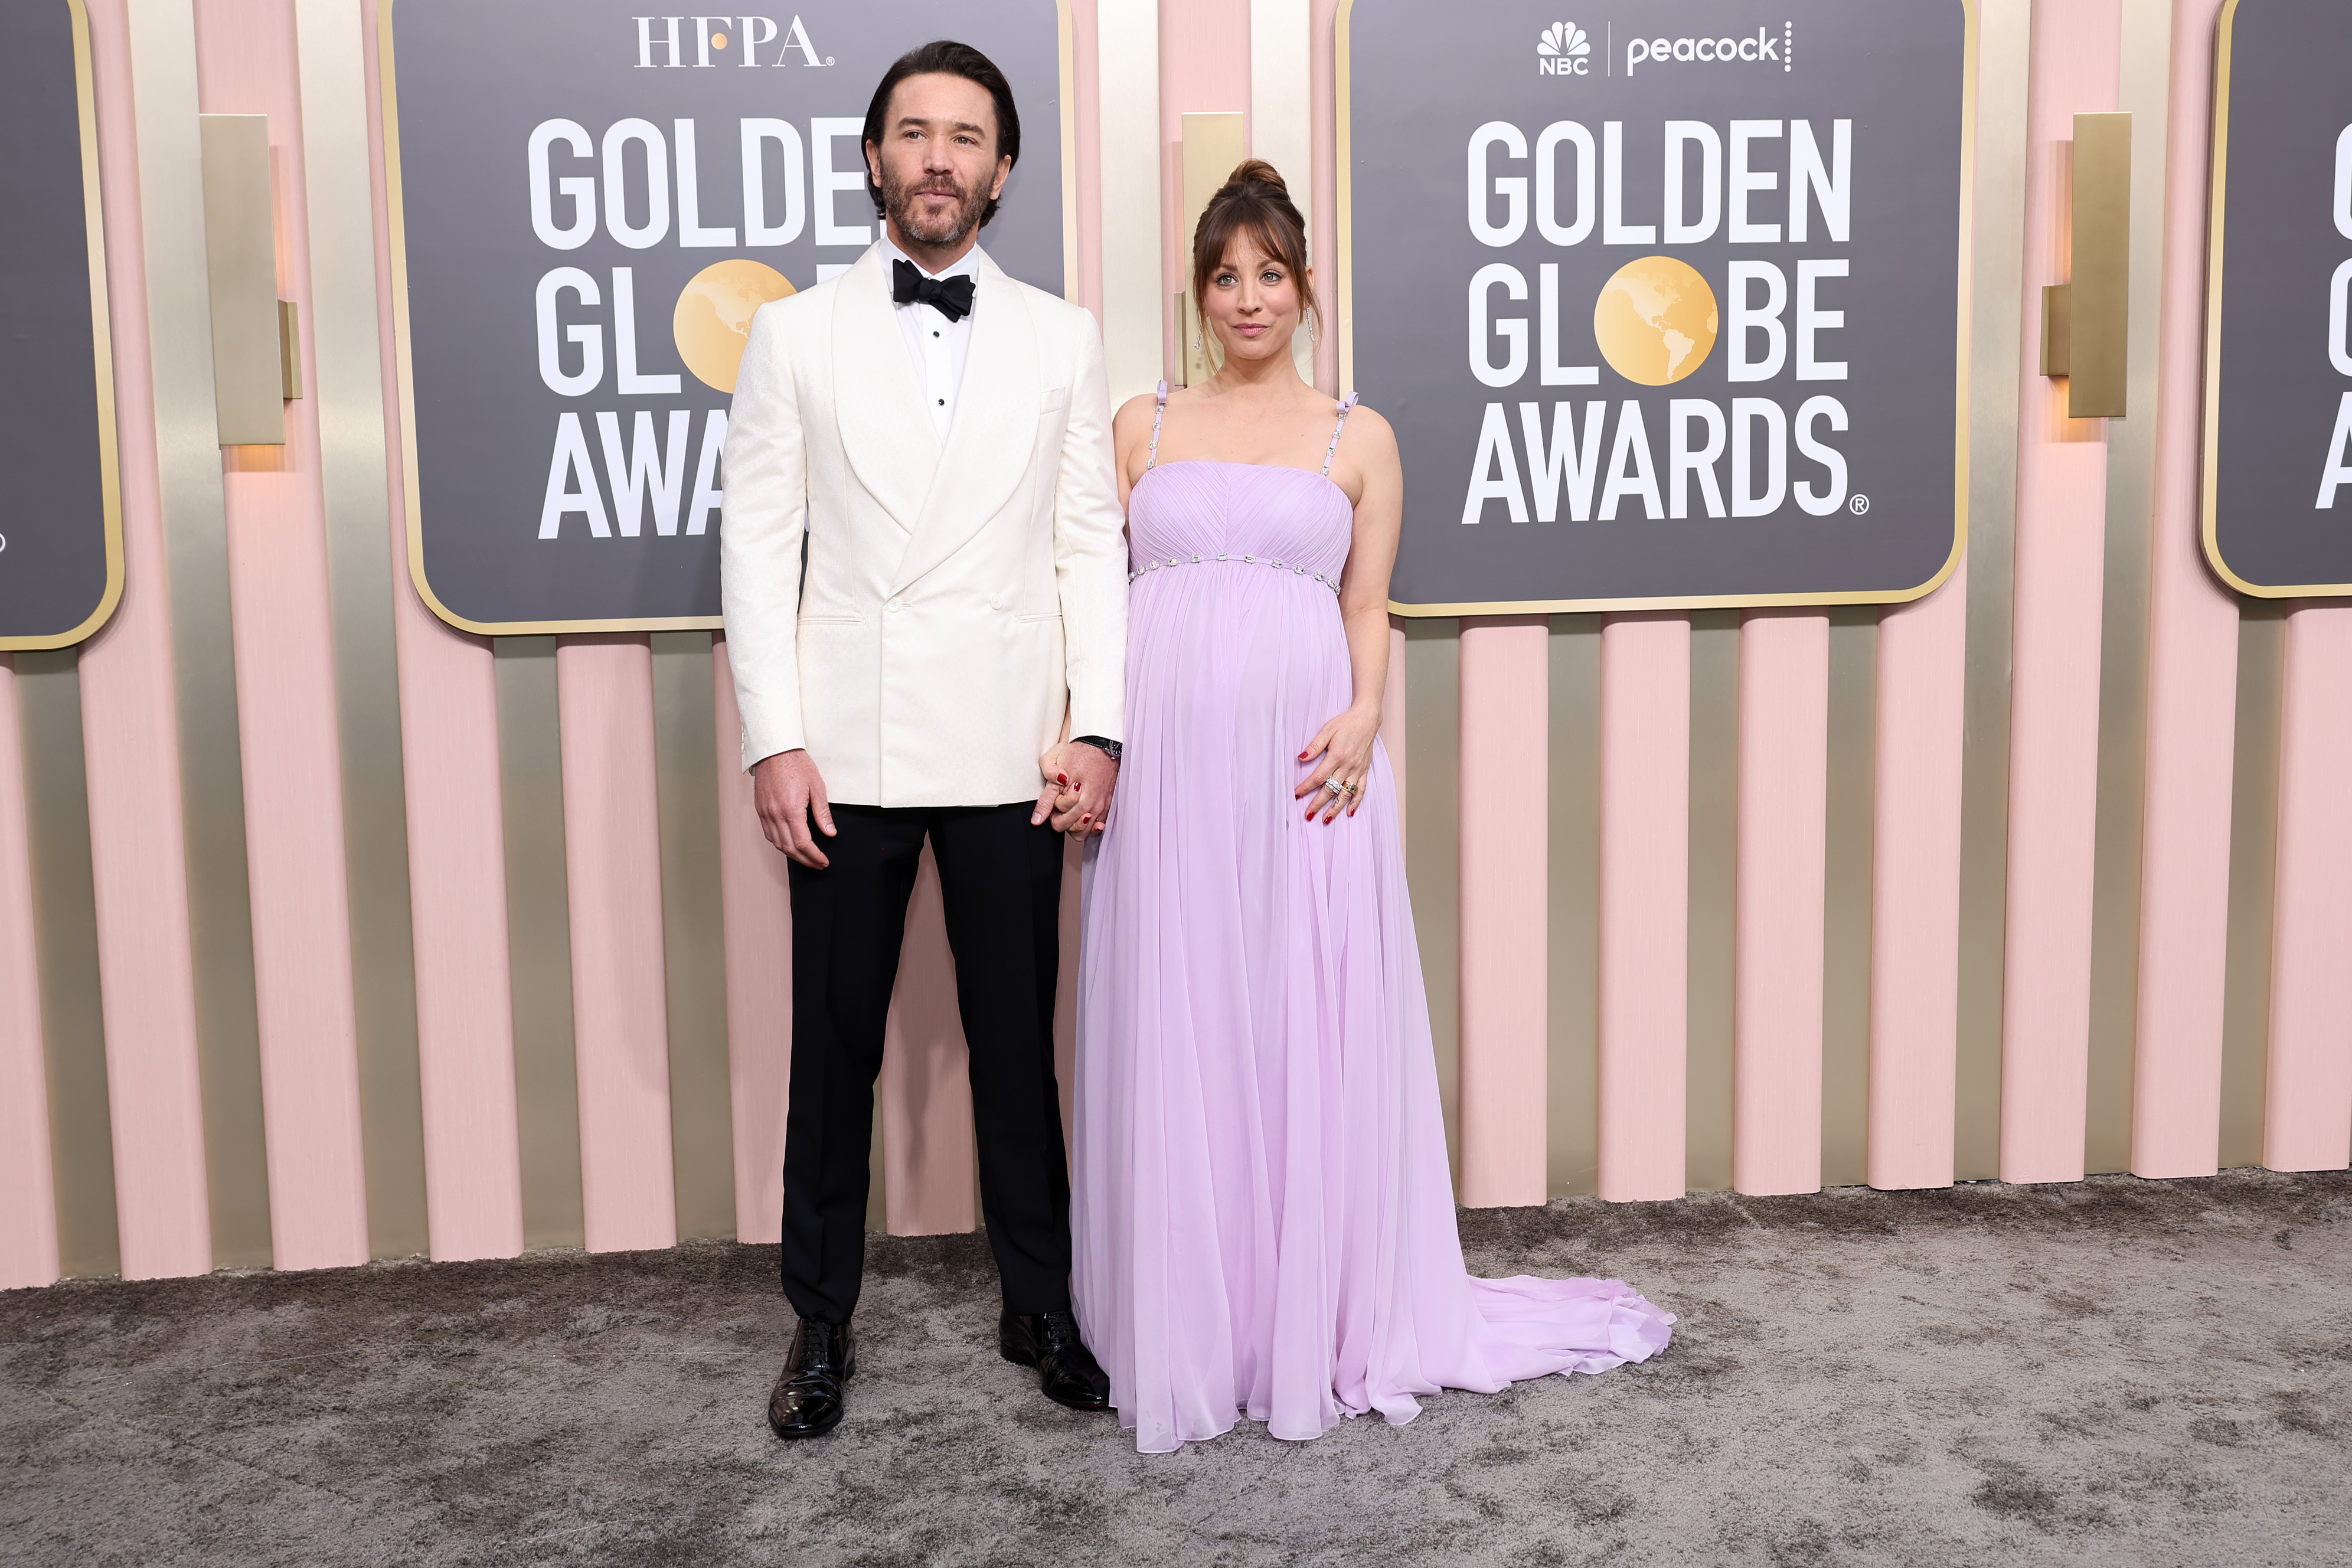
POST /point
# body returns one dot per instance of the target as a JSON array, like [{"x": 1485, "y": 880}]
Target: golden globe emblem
[
  {"x": 1656, "y": 320},
  {"x": 713, "y": 319}
]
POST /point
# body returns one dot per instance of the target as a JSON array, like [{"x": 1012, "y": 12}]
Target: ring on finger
[{"x": 1334, "y": 786}]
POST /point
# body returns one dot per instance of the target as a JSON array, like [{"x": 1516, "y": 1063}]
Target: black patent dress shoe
[
  {"x": 1066, "y": 1370},
  {"x": 807, "y": 1400}
]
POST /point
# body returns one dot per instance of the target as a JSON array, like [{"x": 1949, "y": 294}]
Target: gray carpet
[{"x": 2115, "y": 1372}]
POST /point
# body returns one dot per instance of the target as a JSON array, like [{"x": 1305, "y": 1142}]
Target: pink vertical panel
[
  {"x": 1644, "y": 903},
  {"x": 1778, "y": 908},
  {"x": 755, "y": 896},
  {"x": 456, "y": 861},
  {"x": 2307, "y": 1103},
  {"x": 285, "y": 706},
  {"x": 2061, "y": 490},
  {"x": 1506, "y": 684},
  {"x": 1915, "y": 914},
  {"x": 612, "y": 854},
  {"x": 130, "y": 746},
  {"x": 29, "y": 1199},
  {"x": 2192, "y": 672},
  {"x": 926, "y": 1084}
]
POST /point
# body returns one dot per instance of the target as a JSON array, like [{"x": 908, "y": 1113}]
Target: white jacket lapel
[
  {"x": 995, "y": 427},
  {"x": 885, "y": 428}
]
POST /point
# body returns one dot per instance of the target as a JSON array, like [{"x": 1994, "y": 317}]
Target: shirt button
[
  {"x": 943, "y": 403},
  {"x": 894, "y": 606},
  {"x": 996, "y": 601}
]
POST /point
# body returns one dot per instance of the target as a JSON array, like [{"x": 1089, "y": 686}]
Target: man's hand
[
  {"x": 787, "y": 791},
  {"x": 1079, "y": 781}
]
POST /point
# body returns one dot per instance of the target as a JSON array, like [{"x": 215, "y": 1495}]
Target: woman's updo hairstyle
[{"x": 1253, "y": 200}]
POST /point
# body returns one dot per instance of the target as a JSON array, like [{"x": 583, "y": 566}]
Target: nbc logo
[{"x": 1565, "y": 50}]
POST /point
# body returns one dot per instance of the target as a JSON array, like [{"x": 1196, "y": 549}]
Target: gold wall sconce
[
  {"x": 257, "y": 338},
  {"x": 2086, "y": 323},
  {"x": 1213, "y": 146}
]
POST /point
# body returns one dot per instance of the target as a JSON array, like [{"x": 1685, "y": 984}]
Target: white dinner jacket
[{"x": 955, "y": 603}]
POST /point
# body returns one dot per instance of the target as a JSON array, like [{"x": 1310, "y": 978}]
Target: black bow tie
[{"x": 951, "y": 297}]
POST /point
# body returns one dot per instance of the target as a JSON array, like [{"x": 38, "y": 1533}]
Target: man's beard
[{"x": 949, "y": 226}]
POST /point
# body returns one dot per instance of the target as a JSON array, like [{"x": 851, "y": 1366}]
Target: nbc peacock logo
[{"x": 1565, "y": 50}]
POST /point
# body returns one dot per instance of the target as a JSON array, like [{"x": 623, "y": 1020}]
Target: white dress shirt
[{"x": 939, "y": 346}]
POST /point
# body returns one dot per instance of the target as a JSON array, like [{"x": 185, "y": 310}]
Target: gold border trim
[
  {"x": 395, "y": 209},
  {"x": 101, "y": 333},
  {"x": 1343, "y": 289},
  {"x": 2209, "y": 524}
]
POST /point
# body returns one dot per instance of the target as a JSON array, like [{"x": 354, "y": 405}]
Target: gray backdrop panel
[
  {"x": 1417, "y": 93},
  {"x": 2290, "y": 97},
  {"x": 53, "y": 567},
  {"x": 473, "y": 79}
]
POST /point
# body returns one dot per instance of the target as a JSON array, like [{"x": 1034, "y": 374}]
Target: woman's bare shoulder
[
  {"x": 1136, "y": 411},
  {"x": 1369, "y": 435}
]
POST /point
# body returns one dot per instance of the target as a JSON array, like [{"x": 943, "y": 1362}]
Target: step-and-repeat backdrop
[
  {"x": 2278, "y": 407},
  {"x": 61, "y": 520},
  {"x": 589, "y": 206},
  {"x": 1666, "y": 305}
]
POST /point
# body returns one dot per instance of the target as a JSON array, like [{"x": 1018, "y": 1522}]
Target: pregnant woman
[{"x": 1263, "y": 1215}]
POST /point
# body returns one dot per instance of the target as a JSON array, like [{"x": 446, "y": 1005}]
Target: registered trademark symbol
[{"x": 1860, "y": 504}]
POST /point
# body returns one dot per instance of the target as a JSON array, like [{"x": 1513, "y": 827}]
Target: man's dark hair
[{"x": 944, "y": 57}]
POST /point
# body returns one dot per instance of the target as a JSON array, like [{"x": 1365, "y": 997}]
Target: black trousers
[{"x": 1001, "y": 880}]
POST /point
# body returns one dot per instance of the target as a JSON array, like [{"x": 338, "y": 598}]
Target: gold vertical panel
[
  {"x": 241, "y": 266},
  {"x": 1572, "y": 1108},
  {"x": 1432, "y": 763},
  {"x": 1713, "y": 880},
  {"x": 195, "y": 543},
  {"x": 539, "y": 943},
  {"x": 2253, "y": 851},
  {"x": 290, "y": 350},
  {"x": 2146, "y": 91},
  {"x": 2099, "y": 344},
  {"x": 2057, "y": 329},
  {"x": 1996, "y": 311},
  {"x": 701, "y": 1119},
  {"x": 348, "y": 389},
  {"x": 65, "y": 928},
  {"x": 1851, "y": 804}
]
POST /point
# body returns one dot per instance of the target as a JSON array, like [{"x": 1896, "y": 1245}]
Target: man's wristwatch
[{"x": 1110, "y": 749}]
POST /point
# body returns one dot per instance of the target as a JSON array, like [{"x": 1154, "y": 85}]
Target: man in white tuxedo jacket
[{"x": 925, "y": 587}]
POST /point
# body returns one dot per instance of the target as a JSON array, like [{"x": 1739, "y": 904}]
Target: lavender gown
[{"x": 1263, "y": 1214}]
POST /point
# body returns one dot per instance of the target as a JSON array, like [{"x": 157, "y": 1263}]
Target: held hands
[
  {"x": 787, "y": 791},
  {"x": 1079, "y": 779},
  {"x": 1344, "y": 746}
]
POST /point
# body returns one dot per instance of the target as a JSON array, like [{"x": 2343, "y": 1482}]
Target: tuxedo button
[
  {"x": 996, "y": 601},
  {"x": 894, "y": 606}
]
